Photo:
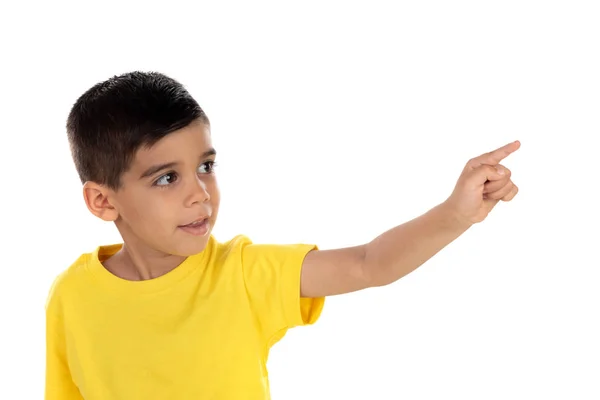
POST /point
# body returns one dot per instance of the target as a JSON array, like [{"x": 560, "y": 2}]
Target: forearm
[{"x": 406, "y": 247}]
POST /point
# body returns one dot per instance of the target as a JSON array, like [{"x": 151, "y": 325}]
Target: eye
[
  {"x": 166, "y": 179},
  {"x": 207, "y": 167}
]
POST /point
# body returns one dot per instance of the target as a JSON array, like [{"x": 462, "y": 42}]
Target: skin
[
  {"x": 399, "y": 251},
  {"x": 148, "y": 212}
]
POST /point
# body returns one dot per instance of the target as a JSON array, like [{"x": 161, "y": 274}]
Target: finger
[
  {"x": 501, "y": 193},
  {"x": 480, "y": 175},
  {"x": 494, "y": 185},
  {"x": 494, "y": 157},
  {"x": 511, "y": 195}
]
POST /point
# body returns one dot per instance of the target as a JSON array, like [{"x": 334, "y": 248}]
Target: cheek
[{"x": 147, "y": 210}]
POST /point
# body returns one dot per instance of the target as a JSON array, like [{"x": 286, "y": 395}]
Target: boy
[{"x": 171, "y": 313}]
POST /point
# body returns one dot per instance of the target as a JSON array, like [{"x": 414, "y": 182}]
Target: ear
[{"x": 97, "y": 200}]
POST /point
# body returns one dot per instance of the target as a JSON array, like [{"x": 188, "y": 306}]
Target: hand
[{"x": 482, "y": 184}]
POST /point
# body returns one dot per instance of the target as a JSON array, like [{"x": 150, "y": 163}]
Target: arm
[
  {"x": 404, "y": 248},
  {"x": 384, "y": 260},
  {"x": 59, "y": 383}
]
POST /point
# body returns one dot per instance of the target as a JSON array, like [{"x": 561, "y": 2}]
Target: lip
[
  {"x": 198, "y": 230},
  {"x": 196, "y": 220}
]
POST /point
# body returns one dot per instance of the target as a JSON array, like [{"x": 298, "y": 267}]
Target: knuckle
[
  {"x": 511, "y": 195},
  {"x": 496, "y": 196},
  {"x": 491, "y": 170}
]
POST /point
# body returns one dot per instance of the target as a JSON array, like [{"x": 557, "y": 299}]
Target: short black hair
[{"x": 114, "y": 118}]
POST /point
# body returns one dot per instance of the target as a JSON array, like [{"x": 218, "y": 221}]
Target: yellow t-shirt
[{"x": 201, "y": 331}]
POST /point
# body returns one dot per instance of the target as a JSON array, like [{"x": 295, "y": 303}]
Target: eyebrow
[{"x": 156, "y": 168}]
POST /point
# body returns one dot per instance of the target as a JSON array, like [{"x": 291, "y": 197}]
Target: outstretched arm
[{"x": 397, "y": 252}]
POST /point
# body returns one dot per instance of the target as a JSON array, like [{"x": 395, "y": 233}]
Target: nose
[{"x": 198, "y": 192}]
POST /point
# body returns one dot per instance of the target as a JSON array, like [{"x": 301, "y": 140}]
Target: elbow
[{"x": 371, "y": 270}]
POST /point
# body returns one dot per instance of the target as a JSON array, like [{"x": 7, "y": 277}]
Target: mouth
[
  {"x": 198, "y": 227},
  {"x": 196, "y": 222}
]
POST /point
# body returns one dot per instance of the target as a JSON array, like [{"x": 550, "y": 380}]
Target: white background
[{"x": 334, "y": 122}]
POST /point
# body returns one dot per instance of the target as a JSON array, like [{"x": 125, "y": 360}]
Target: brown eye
[
  {"x": 166, "y": 179},
  {"x": 206, "y": 168}
]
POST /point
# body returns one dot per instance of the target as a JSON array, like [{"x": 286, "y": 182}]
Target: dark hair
[{"x": 114, "y": 118}]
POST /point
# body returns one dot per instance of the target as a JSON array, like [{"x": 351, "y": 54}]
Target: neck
[{"x": 137, "y": 264}]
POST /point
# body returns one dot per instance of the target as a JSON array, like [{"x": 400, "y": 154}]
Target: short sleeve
[
  {"x": 272, "y": 278},
  {"x": 58, "y": 381}
]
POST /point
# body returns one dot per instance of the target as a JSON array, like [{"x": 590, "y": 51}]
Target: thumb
[{"x": 480, "y": 175}]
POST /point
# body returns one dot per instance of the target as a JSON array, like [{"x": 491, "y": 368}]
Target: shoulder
[
  {"x": 254, "y": 257},
  {"x": 243, "y": 248},
  {"x": 67, "y": 282},
  {"x": 227, "y": 251},
  {"x": 234, "y": 244}
]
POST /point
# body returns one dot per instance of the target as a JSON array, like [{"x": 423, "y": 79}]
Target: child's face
[{"x": 169, "y": 186}]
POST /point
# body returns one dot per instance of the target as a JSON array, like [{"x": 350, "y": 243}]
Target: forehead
[{"x": 184, "y": 144}]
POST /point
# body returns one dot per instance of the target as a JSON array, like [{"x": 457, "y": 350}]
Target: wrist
[{"x": 452, "y": 218}]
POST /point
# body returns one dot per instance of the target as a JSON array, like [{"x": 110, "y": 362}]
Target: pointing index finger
[{"x": 494, "y": 157}]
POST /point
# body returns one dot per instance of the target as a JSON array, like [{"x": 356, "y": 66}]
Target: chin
[{"x": 191, "y": 247}]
